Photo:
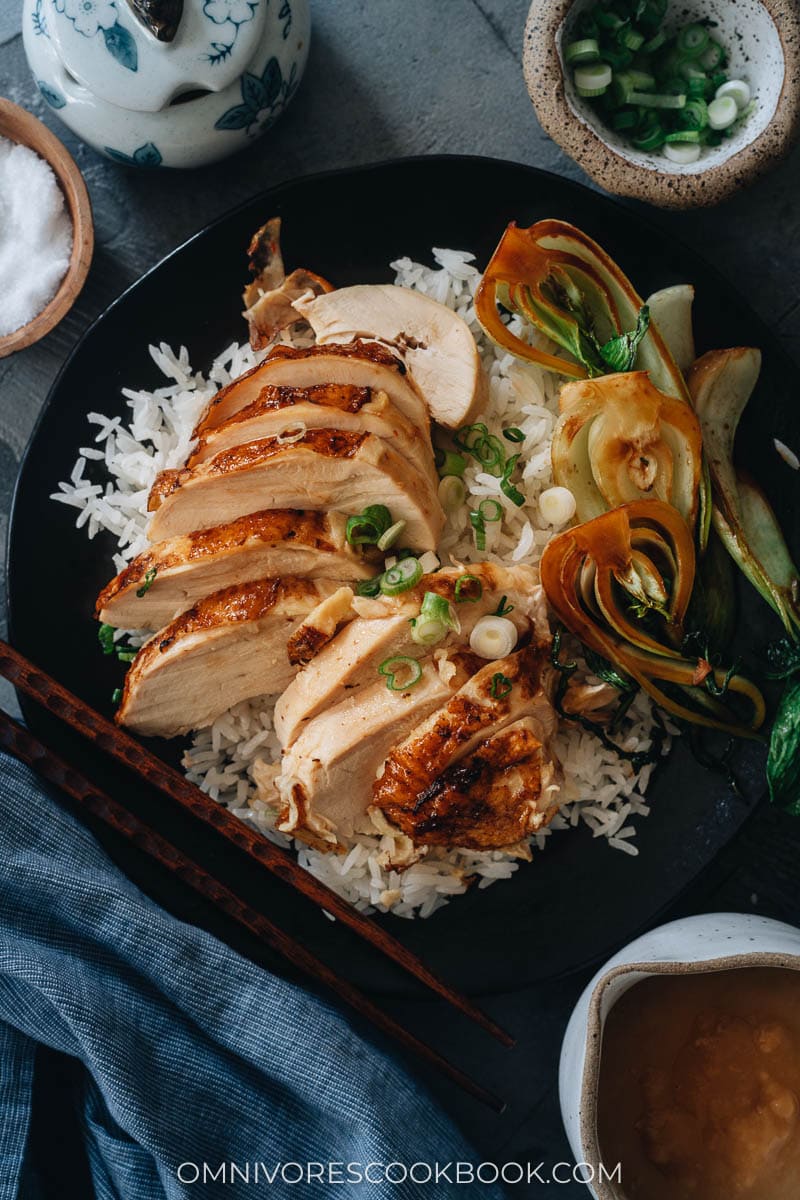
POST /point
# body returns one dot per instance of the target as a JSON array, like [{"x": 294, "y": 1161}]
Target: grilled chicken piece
[
  {"x": 269, "y": 295},
  {"x": 320, "y": 626},
  {"x": 324, "y": 406},
  {"x": 351, "y": 659},
  {"x": 323, "y": 470},
  {"x": 436, "y": 344},
  {"x": 358, "y": 364},
  {"x": 179, "y": 572},
  {"x": 444, "y": 785},
  {"x": 229, "y": 647},
  {"x": 326, "y": 777},
  {"x": 492, "y": 799}
]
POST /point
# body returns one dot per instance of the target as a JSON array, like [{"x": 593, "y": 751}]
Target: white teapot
[{"x": 174, "y": 83}]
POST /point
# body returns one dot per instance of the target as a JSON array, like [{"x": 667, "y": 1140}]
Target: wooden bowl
[
  {"x": 763, "y": 39},
  {"x": 20, "y": 126}
]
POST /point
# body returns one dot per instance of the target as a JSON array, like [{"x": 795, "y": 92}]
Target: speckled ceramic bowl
[
  {"x": 710, "y": 942},
  {"x": 763, "y": 40}
]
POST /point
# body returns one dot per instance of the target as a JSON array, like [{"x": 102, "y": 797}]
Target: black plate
[{"x": 577, "y": 901}]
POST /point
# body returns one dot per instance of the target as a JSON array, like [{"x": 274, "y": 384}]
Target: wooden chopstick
[
  {"x": 19, "y": 742},
  {"x": 120, "y": 745}
]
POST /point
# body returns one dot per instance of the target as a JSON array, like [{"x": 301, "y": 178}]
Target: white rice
[{"x": 109, "y": 487}]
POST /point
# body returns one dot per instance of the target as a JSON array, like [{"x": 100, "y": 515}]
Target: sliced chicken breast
[
  {"x": 229, "y": 647},
  {"x": 352, "y": 658},
  {"x": 357, "y": 364},
  {"x": 494, "y": 798},
  {"x": 326, "y": 778},
  {"x": 410, "y": 788},
  {"x": 435, "y": 342},
  {"x": 324, "y": 470},
  {"x": 173, "y": 575},
  {"x": 284, "y": 411}
]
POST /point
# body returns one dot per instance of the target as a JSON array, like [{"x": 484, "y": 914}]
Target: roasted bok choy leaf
[
  {"x": 564, "y": 285},
  {"x": 621, "y": 583},
  {"x": 721, "y": 383},
  {"x": 620, "y": 439}
]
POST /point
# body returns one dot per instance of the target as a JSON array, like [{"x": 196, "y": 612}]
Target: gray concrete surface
[{"x": 403, "y": 77}]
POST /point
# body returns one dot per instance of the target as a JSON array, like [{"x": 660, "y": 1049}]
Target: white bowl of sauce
[{"x": 680, "y": 1068}]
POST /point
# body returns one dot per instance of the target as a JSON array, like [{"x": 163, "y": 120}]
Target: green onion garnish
[
  {"x": 513, "y": 434},
  {"x": 490, "y": 509},
  {"x": 503, "y": 609},
  {"x": 105, "y": 636},
  {"x": 402, "y": 576},
  {"x": 479, "y": 525},
  {"x": 400, "y": 665},
  {"x": 450, "y": 463},
  {"x": 436, "y": 619},
  {"x": 390, "y": 536},
  {"x": 369, "y": 587},
  {"x": 501, "y": 686},
  {"x": 126, "y": 655},
  {"x": 149, "y": 576},
  {"x": 116, "y": 695},
  {"x": 367, "y": 527},
  {"x": 468, "y": 588},
  {"x": 507, "y": 487},
  {"x": 452, "y": 493}
]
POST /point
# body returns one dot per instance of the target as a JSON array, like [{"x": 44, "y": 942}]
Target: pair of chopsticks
[{"x": 122, "y": 747}]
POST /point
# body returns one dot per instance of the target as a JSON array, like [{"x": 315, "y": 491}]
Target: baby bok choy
[
  {"x": 621, "y": 584},
  {"x": 620, "y": 439},
  {"x": 721, "y": 383}
]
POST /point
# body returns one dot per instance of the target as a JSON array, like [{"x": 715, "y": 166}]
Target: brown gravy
[{"x": 699, "y": 1089}]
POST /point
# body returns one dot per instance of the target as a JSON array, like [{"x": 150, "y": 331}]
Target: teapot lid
[{"x": 143, "y": 54}]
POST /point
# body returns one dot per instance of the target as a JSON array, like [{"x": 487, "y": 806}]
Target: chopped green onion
[
  {"x": 682, "y": 153},
  {"x": 593, "y": 76},
  {"x": 468, "y": 589},
  {"x": 490, "y": 509},
  {"x": 656, "y": 100},
  {"x": 391, "y": 535},
  {"x": 452, "y": 493},
  {"x": 436, "y": 618},
  {"x": 451, "y": 464},
  {"x": 631, "y": 39},
  {"x": 149, "y": 576},
  {"x": 507, "y": 487},
  {"x": 694, "y": 115},
  {"x": 655, "y": 43},
  {"x": 738, "y": 90},
  {"x": 584, "y": 51},
  {"x": 693, "y": 40},
  {"x": 513, "y": 434},
  {"x": 400, "y": 664},
  {"x": 367, "y": 527},
  {"x": 503, "y": 608},
  {"x": 608, "y": 20},
  {"x": 116, "y": 695},
  {"x": 624, "y": 120},
  {"x": 651, "y": 139},
  {"x": 501, "y": 686},
  {"x": 712, "y": 56},
  {"x": 493, "y": 637},
  {"x": 369, "y": 587},
  {"x": 684, "y": 135},
  {"x": 691, "y": 72},
  {"x": 479, "y": 526},
  {"x": 402, "y": 576},
  {"x": 618, "y": 59},
  {"x": 722, "y": 112},
  {"x": 127, "y": 655},
  {"x": 105, "y": 636}
]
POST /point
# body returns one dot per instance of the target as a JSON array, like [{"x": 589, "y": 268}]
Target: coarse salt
[{"x": 35, "y": 235}]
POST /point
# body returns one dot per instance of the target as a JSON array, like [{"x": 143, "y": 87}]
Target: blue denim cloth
[{"x": 191, "y": 1053}]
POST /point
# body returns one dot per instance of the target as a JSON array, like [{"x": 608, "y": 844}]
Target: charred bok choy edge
[
  {"x": 621, "y": 584},
  {"x": 563, "y": 284}
]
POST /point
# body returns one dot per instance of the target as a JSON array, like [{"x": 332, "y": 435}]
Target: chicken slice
[
  {"x": 357, "y": 364},
  {"x": 352, "y": 658},
  {"x": 499, "y": 695},
  {"x": 326, "y": 777},
  {"x": 269, "y": 295},
  {"x": 229, "y": 647},
  {"x": 324, "y": 470},
  {"x": 279, "y": 411},
  {"x": 320, "y": 626},
  {"x": 173, "y": 575},
  {"x": 435, "y": 342},
  {"x": 493, "y": 798}
]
